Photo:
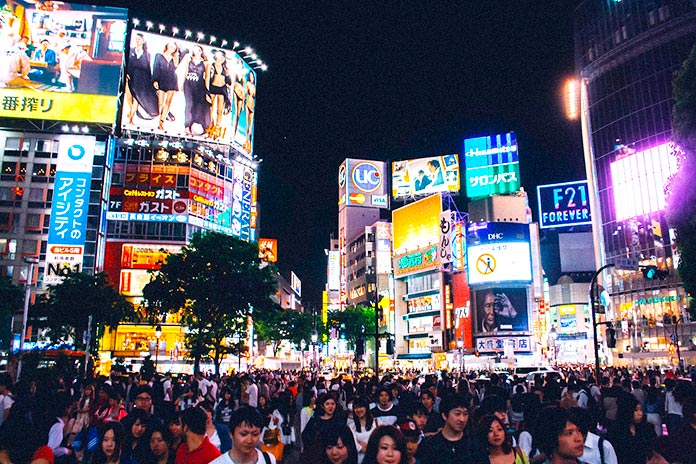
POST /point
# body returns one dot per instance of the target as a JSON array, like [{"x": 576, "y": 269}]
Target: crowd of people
[{"x": 268, "y": 417}]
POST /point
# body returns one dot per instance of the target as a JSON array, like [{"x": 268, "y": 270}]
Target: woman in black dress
[
  {"x": 218, "y": 86},
  {"x": 195, "y": 65},
  {"x": 140, "y": 95},
  {"x": 164, "y": 79}
]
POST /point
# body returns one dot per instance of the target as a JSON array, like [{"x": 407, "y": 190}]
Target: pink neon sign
[{"x": 639, "y": 181}]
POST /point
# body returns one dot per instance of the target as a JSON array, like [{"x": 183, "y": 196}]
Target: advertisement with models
[
  {"x": 501, "y": 309},
  {"x": 187, "y": 89},
  {"x": 60, "y": 61},
  {"x": 424, "y": 176}
]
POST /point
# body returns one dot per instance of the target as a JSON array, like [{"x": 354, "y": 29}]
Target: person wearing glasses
[{"x": 143, "y": 401}]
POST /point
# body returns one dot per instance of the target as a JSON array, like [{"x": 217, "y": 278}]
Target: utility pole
[{"x": 593, "y": 301}]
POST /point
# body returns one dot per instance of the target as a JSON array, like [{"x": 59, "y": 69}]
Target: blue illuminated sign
[{"x": 564, "y": 205}]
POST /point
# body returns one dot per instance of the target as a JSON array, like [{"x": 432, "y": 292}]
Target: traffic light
[
  {"x": 653, "y": 272},
  {"x": 359, "y": 347},
  {"x": 611, "y": 337},
  {"x": 390, "y": 346}
]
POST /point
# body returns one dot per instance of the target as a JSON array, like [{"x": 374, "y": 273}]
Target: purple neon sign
[{"x": 640, "y": 179}]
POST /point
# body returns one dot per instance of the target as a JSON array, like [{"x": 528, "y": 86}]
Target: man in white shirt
[
  {"x": 245, "y": 430},
  {"x": 252, "y": 392},
  {"x": 591, "y": 451},
  {"x": 55, "y": 434},
  {"x": 6, "y": 400}
]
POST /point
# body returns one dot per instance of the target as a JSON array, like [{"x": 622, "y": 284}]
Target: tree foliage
[
  {"x": 11, "y": 299},
  {"x": 681, "y": 199},
  {"x": 283, "y": 324},
  {"x": 353, "y": 322},
  {"x": 214, "y": 284},
  {"x": 66, "y": 307}
]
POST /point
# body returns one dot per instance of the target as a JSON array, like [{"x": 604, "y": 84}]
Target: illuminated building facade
[{"x": 626, "y": 54}]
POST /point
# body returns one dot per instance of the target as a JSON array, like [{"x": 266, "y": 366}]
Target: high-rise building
[{"x": 626, "y": 55}]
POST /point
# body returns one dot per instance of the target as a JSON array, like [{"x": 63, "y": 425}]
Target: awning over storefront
[{"x": 414, "y": 356}]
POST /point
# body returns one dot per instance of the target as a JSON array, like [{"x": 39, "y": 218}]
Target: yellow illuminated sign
[
  {"x": 74, "y": 107},
  {"x": 417, "y": 225}
]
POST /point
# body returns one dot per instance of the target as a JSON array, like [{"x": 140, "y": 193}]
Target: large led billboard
[
  {"x": 564, "y": 205},
  {"x": 492, "y": 165},
  {"x": 417, "y": 224},
  {"x": 424, "y": 176},
  {"x": 188, "y": 89},
  {"x": 61, "y": 62},
  {"x": 498, "y": 252},
  {"x": 68, "y": 224},
  {"x": 501, "y": 309},
  {"x": 639, "y": 181},
  {"x": 362, "y": 183}
]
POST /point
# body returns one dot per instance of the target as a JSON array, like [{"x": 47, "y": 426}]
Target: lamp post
[
  {"x": 31, "y": 261},
  {"x": 303, "y": 344},
  {"x": 460, "y": 345},
  {"x": 552, "y": 338},
  {"x": 158, "y": 334},
  {"x": 315, "y": 338}
]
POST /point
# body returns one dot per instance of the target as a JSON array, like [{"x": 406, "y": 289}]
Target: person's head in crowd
[
  {"x": 193, "y": 421},
  {"x": 111, "y": 442},
  {"x": 582, "y": 418},
  {"x": 386, "y": 446},
  {"x": 419, "y": 416},
  {"x": 245, "y": 429},
  {"x": 114, "y": 398},
  {"x": 689, "y": 410},
  {"x": 175, "y": 426},
  {"x": 208, "y": 408},
  {"x": 628, "y": 411},
  {"x": 5, "y": 383},
  {"x": 412, "y": 434},
  {"x": 143, "y": 397},
  {"x": 455, "y": 413},
  {"x": 384, "y": 397},
  {"x": 338, "y": 445},
  {"x": 490, "y": 431},
  {"x": 160, "y": 440},
  {"x": 262, "y": 402},
  {"x": 139, "y": 424},
  {"x": 309, "y": 398},
  {"x": 663, "y": 450},
  {"x": 494, "y": 378},
  {"x": 361, "y": 412},
  {"x": 326, "y": 406},
  {"x": 559, "y": 437},
  {"x": 495, "y": 405},
  {"x": 104, "y": 393},
  {"x": 427, "y": 399}
]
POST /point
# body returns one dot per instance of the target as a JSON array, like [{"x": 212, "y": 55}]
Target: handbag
[{"x": 271, "y": 443}]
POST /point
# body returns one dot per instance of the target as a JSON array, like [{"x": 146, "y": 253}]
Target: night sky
[{"x": 387, "y": 81}]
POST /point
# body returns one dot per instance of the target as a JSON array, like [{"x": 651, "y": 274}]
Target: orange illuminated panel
[
  {"x": 145, "y": 256},
  {"x": 268, "y": 249},
  {"x": 417, "y": 225}
]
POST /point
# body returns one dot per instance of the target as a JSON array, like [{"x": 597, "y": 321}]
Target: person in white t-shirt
[
  {"x": 6, "y": 400},
  {"x": 252, "y": 392},
  {"x": 245, "y": 430}
]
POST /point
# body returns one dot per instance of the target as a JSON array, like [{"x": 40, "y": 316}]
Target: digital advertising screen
[
  {"x": 363, "y": 183},
  {"x": 492, "y": 165},
  {"x": 189, "y": 89},
  {"x": 68, "y": 224},
  {"x": 424, "y": 176},
  {"x": 61, "y": 61},
  {"x": 501, "y": 309},
  {"x": 639, "y": 181},
  {"x": 268, "y": 250},
  {"x": 564, "y": 205},
  {"x": 498, "y": 252},
  {"x": 417, "y": 224}
]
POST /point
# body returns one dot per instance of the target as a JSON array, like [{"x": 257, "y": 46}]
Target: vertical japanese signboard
[{"x": 66, "y": 235}]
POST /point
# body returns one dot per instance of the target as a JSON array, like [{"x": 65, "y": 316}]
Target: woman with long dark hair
[
  {"x": 492, "y": 434},
  {"x": 140, "y": 94},
  {"x": 387, "y": 445},
  {"x": 110, "y": 446},
  {"x": 160, "y": 440},
  {"x": 164, "y": 79},
  {"x": 195, "y": 66},
  {"x": 338, "y": 446},
  {"x": 630, "y": 434},
  {"x": 326, "y": 415},
  {"x": 362, "y": 425}
]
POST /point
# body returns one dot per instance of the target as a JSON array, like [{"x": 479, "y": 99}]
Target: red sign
[{"x": 461, "y": 314}]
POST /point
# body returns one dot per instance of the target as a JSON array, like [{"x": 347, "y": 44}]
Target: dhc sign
[{"x": 564, "y": 205}]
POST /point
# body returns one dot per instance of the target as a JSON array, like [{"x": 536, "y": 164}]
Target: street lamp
[
  {"x": 303, "y": 344},
  {"x": 553, "y": 336},
  {"x": 315, "y": 338},
  {"x": 158, "y": 334},
  {"x": 460, "y": 345},
  {"x": 31, "y": 261}
]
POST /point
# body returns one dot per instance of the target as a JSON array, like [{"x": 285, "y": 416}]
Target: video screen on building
[
  {"x": 492, "y": 165},
  {"x": 60, "y": 61},
  {"x": 498, "y": 252},
  {"x": 564, "y": 205},
  {"x": 188, "y": 89},
  {"x": 424, "y": 176},
  {"x": 501, "y": 309},
  {"x": 417, "y": 224}
]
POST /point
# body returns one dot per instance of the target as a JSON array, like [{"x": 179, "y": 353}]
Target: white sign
[
  {"x": 445, "y": 248},
  {"x": 499, "y": 262},
  {"x": 296, "y": 284},
  {"x": 503, "y": 345},
  {"x": 334, "y": 277},
  {"x": 436, "y": 341}
]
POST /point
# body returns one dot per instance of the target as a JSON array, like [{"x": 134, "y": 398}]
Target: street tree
[
  {"x": 66, "y": 307},
  {"x": 11, "y": 299},
  {"x": 353, "y": 323},
  {"x": 681, "y": 194},
  {"x": 214, "y": 284},
  {"x": 283, "y": 324}
]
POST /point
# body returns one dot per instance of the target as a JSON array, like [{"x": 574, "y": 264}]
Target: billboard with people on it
[
  {"x": 61, "y": 63},
  {"x": 501, "y": 309},
  {"x": 425, "y": 176},
  {"x": 188, "y": 89}
]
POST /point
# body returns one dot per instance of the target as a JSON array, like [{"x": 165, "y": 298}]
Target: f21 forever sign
[{"x": 564, "y": 205}]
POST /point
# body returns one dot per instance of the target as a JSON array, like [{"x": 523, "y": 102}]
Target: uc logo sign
[{"x": 367, "y": 177}]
